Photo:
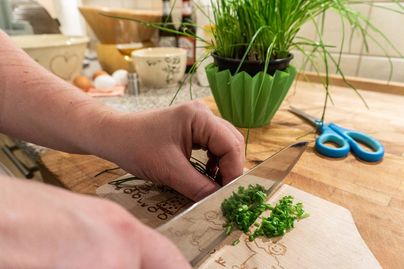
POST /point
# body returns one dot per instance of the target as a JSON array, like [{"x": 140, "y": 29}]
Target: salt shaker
[{"x": 133, "y": 84}]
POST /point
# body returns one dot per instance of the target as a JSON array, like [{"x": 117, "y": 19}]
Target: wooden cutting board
[
  {"x": 152, "y": 204},
  {"x": 326, "y": 239}
]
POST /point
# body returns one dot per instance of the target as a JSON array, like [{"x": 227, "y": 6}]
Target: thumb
[{"x": 188, "y": 181}]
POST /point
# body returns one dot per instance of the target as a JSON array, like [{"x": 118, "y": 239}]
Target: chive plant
[
  {"x": 252, "y": 26},
  {"x": 264, "y": 30},
  {"x": 277, "y": 23}
]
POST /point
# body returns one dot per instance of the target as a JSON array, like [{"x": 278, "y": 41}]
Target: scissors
[{"x": 346, "y": 140}]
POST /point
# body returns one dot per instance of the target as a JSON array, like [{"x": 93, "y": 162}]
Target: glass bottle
[
  {"x": 167, "y": 39},
  {"x": 188, "y": 42}
]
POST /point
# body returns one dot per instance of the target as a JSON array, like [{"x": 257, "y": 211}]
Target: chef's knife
[{"x": 198, "y": 230}]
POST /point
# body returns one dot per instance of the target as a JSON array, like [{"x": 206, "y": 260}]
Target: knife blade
[{"x": 198, "y": 230}]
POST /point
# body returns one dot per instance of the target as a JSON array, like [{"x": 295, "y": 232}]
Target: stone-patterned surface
[{"x": 155, "y": 98}]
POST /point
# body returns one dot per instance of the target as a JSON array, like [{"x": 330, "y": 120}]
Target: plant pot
[
  {"x": 251, "y": 67},
  {"x": 249, "y": 102}
]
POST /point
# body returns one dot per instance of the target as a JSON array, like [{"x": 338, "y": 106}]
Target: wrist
[
  {"x": 104, "y": 134},
  {"x": 95, "y": 129}
]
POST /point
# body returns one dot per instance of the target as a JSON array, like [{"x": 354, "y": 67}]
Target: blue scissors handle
[
  {"x": 330, "y": 136},
  {"x": 348, "y": 140}
]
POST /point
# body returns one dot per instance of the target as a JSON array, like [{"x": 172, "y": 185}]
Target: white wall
[
  {"x": 71, "y": 21},
  {"x": 356, "y": 60}
]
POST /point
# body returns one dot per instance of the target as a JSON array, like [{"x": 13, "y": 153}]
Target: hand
[
  {"x": 157, "y": 146},
  {"x": 45, "y": 227}
]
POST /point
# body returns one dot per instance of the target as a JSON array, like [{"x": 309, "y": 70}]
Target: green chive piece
[
  {"x": 245, "y": 206},
  {"x": 235, "y": 242}
]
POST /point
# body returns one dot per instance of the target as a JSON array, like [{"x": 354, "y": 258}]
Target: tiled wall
[{"x": 356, "y": 60}]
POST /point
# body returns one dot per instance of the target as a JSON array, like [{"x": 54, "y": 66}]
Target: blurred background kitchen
[{"x": 52, "y": 16}]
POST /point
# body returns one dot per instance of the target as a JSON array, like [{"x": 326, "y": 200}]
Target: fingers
[
  {"x": 188, "y": 181},
  {"x": 240, "y": 139},
  {"x": 231, "y": 163},
  {"x": 238, "y": 135},
  {"x": 223, "y": 140}
]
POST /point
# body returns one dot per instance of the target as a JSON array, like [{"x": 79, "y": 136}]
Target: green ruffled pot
[{"x": 249, "y": 102}]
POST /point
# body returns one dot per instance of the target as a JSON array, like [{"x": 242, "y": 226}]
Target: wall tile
[
  {"x": 298, "y": 61},
  {"x": 391, "y": 25},
  {"x": 307, "y": 31},
  {"x": 379, "y": 68},
  {"x": 333, "y": 32},
  {"x": 348, "y": 64},
  {"x": 398, "y": 72}
]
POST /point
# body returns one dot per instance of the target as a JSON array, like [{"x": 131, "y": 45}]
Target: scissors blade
[
  {"x": 197, "y": 231},
  {"x": 314, "y": 121}
]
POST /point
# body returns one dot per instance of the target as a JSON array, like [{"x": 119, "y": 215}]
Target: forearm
[{"x": 38, "y": 107}]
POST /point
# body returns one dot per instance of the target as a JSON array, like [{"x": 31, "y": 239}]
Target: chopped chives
[{"x": 244, "y": 207}]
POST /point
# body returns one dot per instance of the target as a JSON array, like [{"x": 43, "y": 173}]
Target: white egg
[
  {"x": 121, "y": 77},
  {"x": 104, "y": 82}
]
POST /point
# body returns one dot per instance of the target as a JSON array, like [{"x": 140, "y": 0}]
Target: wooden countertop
[{"x": 374, "y": 193}]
